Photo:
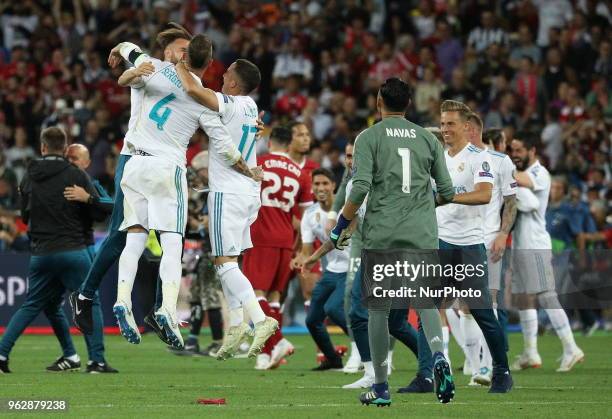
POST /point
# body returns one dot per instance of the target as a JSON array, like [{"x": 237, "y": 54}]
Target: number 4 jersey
[{"x": 284, "y": 187}]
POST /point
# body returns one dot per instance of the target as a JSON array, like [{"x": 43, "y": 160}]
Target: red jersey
[{"x": 284, "y": 187}]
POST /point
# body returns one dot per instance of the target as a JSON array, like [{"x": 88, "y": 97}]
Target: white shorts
[
  {"x": 532, "y": 271},
  {"x": 229, "y": 219},
  {"x": 155, "y": 195}
]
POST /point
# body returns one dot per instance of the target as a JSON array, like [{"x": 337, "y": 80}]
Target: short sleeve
[
  {"x": 305, "y": 197},
  {"x": 227, "y": 106},
  {"x": 481, "y": 169},
  {"x": 539, "y": 178},
  {"x": 306, "y": 229},
  {"x": 508, "y": 184}
]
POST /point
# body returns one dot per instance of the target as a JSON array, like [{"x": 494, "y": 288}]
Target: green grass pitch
[{"x": 154, "y": 383}]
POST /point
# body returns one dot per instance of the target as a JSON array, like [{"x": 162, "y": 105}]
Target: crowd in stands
[{"x": 532, "y": 67}]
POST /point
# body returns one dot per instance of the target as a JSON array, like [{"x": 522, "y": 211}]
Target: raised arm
[
  {"x": 133, "y": 76},
  {"x": 200, "y": 94}
]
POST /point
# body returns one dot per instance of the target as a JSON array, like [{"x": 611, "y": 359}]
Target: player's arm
[
  {"x": 483, "y": 183},
  {"x": 25, "y": 189},
  {"x": 439, "y": 172},
  {"x": 221, "y": 142},
  {"x": 523, "y": 179},
  {"x": 133, "y": 76},
  {"x": 526, "y": 201},
  {"x": 508, "y": 218},
  {"x": 200, "y": 94},
  {"x": 325, "y": 248},
  {"x": 101, "y": 201},
  {"x": 363, "y": 165},
  {"x": 339, "y": 201}
]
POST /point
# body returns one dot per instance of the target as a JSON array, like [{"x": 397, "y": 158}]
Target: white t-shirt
[
  {"x": 362, "y": 209},
  {"x": 462, "y": 224},
  {"x": 169, "y": 117},
  {"x": 239, "y": 115},
  {"x": 136, "y": 96},
  {"x": 505, "y": 185},
  {"x": 313, "y": 227},
  {"x": 530, "y": 229}
]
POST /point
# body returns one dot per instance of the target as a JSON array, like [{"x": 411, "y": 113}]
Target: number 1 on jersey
[
  {"x": 161, "y": 119},
  {"x": 247, "y": 130},
  {"x": 405, "y": 155}
]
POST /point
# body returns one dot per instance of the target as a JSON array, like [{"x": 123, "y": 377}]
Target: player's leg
[
  {"x": 170, "y": 272},
  {"x": 423, "y": 381},
  {"x": 136, "y": 240},
  {"x": 378, "y": 333},
  {"x": 334, "y": 306},
  {"x": 69, "y": 360},
  {"x": 230, "y": 220},
  {"x": 359, "y": 325},
  {"x": 482, "y": 311},
  {"x": 549, "y": 301},
  {"x": 315, "y": 322},
  {"x": 107, "y": 255},
  {"x": 40, "y": 290},
  {"x": 74, "y": 266},
  {"x": 211, "y": 304},
  {"x": 281, "y": 347},
  {"x": 353, "y": 364}
]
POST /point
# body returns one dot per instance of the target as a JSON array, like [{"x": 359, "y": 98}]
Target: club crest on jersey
[
  {"x": 461, "y": 167},
  {"x": 485, "y": 166},
  {"x": 318, "y": 217}
]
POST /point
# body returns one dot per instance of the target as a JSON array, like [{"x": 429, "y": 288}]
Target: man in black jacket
[{"x": 59, "y": 230}]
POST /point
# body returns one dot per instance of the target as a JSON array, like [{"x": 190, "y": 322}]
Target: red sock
[
  {"x": 265, "y": 306},
  {"x": 278, "y": 335}
]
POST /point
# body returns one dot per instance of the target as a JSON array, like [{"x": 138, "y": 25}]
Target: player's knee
[
  {"x": 336, "y": 314},
  {"x": 549, "y": 299}
]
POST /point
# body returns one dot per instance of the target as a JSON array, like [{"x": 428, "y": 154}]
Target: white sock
[
  {"x": 170, "y": 269},
  {"x": 82, "y": 297},
  {"x": 453, "y": 319},
  {"x": 445, "y": 340},
  {"x": 472, "y": 334},
  {"x": 487, "y": 359},
  {"x": 3, "y": 358},
  {"x": 74, "y": 358},
  {"x": 368, "y": 369},
  {"x": 236, "y": 316},
  {"x": 390, "y": 358},
  {"x": 354, "y": 349},
  {"x": 560, "y": 322},
  {"x": 529, "y": 324},
  {"x": 128, "y": 265},
  {"x": 239, "y": 286}
]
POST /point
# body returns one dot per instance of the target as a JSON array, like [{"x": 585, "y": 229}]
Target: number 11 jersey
[{"x": 284, "y": 187}]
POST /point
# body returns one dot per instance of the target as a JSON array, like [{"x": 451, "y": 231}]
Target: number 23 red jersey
[{"x": 284, "y": 187}]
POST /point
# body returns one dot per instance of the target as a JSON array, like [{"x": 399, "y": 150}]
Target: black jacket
[{"x": 56, "y": 224}]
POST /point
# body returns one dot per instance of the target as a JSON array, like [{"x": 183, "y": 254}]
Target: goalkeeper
[{"x": 394, "y": 162}]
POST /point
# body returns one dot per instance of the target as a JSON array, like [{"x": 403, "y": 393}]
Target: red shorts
[{"x": 267, "y": 268}]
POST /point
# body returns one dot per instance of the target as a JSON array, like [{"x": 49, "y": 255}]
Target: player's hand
[
  {"x": 144, "y": 69},
  {"x": 259, "y": 124},
  {"x": 498, "y": 247},
  {"x": 114, "y": 57},
  {"x": 76, "y": 193},
  {"x": 296, "y": 263},
  {"x": 257, "y": 173},
  {"x": 341, "y": 234}
]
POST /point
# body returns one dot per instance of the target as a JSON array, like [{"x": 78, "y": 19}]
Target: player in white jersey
[
  {"x": 461, "y": 233},
  {"x": 327, "y": 298},
  {"x": 234, "y": 201},
  {"x": 533, "y": 279},
  {"x": 174, "y": 41},
  {"x": 155, "y": 185},
  {"x": 496, "y": 233}
]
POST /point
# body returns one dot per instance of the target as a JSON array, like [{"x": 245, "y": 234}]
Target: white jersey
[
  {"x": 239, "y": 115},
  {"x": 313, "y": 227},
  {"x": 362, "y": 209},
  {"x": 505, "y": 185},
  {"x": 530, "y": 228},
  {"x": 462, "y": 224},
  {"x": 136, "y": 96},
  {"x": 169, "y": 117}
]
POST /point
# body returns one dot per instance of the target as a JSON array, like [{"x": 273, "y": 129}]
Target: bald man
[{"x": 78, "y": 155}]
